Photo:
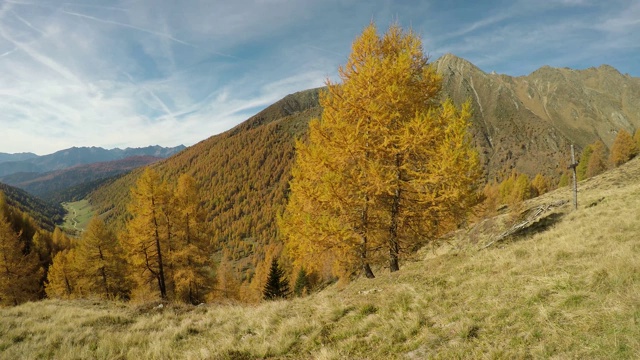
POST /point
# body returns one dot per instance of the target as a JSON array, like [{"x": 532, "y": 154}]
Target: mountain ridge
[
  {"x": 46, "y": 185},
  {"x": 81, "y": 155}
]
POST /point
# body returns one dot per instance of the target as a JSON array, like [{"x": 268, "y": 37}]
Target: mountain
[
  {"x": 529, "y": 122},
  {"x": 47, "y": 215},
  {"x": 47, "y": 185},
  {"x": 243, "y": 177},
  {"x": 4, "y": 157},
  {"x": 81, "y": 155},
  {"x": 525, "y": 123}
]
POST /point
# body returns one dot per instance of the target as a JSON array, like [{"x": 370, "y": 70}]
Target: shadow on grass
[{"x": 541, "y": 225}]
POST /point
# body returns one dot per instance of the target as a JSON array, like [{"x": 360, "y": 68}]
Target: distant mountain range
[
  {"x": 4, "y": 157},
  {"x": 27, "y": 162},
  {"x": 51, "y": 185}
]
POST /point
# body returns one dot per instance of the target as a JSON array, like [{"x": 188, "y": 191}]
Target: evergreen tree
[
  {"x": 302, "y": 285},
  {"x": 583, "y": 163},
  {"x": 277, "y": 286}
]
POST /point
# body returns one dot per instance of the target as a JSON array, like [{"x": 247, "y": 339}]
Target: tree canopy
[{"x": 386, "y": 167}]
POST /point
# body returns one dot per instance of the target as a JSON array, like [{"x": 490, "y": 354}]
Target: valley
[{"x": 78, "y": 215}]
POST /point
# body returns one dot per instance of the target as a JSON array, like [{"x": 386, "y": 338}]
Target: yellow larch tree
[
  {"x": 597, "y": 163},
  {"x": 63, "y": 276},
  {"x": 624, "y": 148},
  {"x": 190, "y": 256},
  {"x": 145, "y": 241},
  {"x": 20, "y": 271},
  {"x": 99, "y": 260},
  {"x": 386, "y": 166}
]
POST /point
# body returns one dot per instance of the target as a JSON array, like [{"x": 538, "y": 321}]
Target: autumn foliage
[
  {"x": 388, "y": 166},
  {"x": 165, "y": 242},
  {"x": 624, "y": 148}
]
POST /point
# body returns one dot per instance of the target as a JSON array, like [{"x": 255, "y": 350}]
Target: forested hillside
[
  {"x": 46, "y": 214},
  {"x": 518, "y": 124},
  {"x": 242, "y": 176}
]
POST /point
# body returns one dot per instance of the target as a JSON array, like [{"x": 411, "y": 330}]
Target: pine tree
[
  {"x": 99, "y": 259},
  {"x": 564, "y": 180},
  {"x": 623, "y": 149},
  {"x": 581, "y": 169},
  {"x": 302, "y": 285},
  {"x": 277, "y": 286},
  {"x": 20, "y": 271},
  {"x": 146, "y": 241},
  {"x": 386, "y": 166}
]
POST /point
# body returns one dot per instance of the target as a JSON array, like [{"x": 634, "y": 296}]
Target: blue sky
[{"x": 145, "y": 72}]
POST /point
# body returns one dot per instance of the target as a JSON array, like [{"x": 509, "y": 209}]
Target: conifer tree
[
  {"x": 623, "y": 149},
  {"x": 192, "y": 276},
  {"x": 99, "y": 259},
  {"x": 63, "y": 277},
  {"x": 146, "y": 241},
  {"x": 598, "y": 160},
  {"x": 386, "y": 166},
  {"x": 540, "y": 185},
  {"x": 277, "y": 286},
  {"x": 302, "y": 285},
  {"x": 583, "y": 163},
  {"x": 20, "y": 271}
]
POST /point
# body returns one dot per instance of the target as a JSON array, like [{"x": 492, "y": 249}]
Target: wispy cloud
[{"x": 123, "y": 73}]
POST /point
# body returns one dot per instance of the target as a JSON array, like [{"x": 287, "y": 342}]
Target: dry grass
[{"x": 569, "y": 291}]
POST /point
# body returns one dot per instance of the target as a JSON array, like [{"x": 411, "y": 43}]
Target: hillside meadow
[{"x": 566, "y": 289}]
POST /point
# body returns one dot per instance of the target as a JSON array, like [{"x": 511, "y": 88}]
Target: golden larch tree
[
  {"x": 99, "y": 259},
  {"x": 597, "y": 160},
  {"x": 145, "y": 241},
  {"x": 20, "y": 271},
  {"x": 190, "y": 258},
  {"x": 386, "y": 166},
  {"x": 624, "y": 148},
  {"x": 63, "y": 277}
]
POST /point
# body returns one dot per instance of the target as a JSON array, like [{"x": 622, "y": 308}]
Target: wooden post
[{"x": 573, "y": 166}]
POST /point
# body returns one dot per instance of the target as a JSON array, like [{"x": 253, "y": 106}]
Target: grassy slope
[{"x": 571, "y": 291}]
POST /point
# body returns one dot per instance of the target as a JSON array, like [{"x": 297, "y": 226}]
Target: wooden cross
[{"x": 573, "y": 166}]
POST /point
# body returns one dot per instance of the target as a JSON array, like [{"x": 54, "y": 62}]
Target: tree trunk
[
  {"x": 161, "y": 283},
  {"x": 394, "y": 247},
  {"x": 363, "y": 250},
  {"x": 104, "y": 274}
]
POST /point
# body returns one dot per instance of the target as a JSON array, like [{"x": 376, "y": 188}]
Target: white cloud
[{"x": 136, "y": 73}]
